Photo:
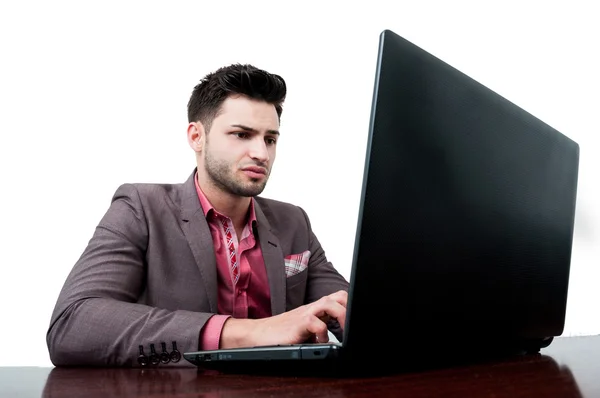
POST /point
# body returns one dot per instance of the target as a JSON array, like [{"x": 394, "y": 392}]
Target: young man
[{"x": 208, "y": 263}]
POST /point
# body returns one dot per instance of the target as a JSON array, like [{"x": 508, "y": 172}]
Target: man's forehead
[{"x": 251, "y": 114}]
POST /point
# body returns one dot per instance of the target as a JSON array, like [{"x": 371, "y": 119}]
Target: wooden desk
[{"x": 569, "y": 367}]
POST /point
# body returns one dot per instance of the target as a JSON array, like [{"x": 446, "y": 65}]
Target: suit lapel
[
  {"x": 274, "y": 262},
  {"x": 197, "y": 233}
]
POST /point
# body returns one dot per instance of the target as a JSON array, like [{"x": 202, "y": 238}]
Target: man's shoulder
[
  {"x": 148, "y": 188},
  {"x": 147, "y": 192}
]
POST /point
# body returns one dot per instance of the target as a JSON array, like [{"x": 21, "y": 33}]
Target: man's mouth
[{"x": 255, "y": 171}]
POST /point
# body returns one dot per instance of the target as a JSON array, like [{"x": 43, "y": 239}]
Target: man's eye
[
  {"x": 271, "y": 141},
  {"x": 242, "y": 135}
]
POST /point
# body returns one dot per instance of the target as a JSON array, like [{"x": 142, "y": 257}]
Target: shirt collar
[{"x": 208, "y": 208}]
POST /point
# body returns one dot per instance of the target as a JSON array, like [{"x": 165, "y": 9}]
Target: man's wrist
[{"x": 238, "y": 333}]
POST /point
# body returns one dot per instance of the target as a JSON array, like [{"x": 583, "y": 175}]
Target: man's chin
[
  {"x": 255, "y": 192},
  {"x": 254, "y": 188}
]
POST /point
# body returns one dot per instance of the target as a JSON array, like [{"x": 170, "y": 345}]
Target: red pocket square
[{"x": 296, "y": 263}]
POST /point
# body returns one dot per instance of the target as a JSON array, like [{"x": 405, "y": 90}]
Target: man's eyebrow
[{"x": 253, "y": 130}]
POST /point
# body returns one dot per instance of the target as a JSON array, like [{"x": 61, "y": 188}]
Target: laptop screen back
[{"x": 466, "y": 215}]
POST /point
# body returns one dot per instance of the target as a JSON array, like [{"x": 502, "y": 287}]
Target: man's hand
[{"x": 296, "y": 326}]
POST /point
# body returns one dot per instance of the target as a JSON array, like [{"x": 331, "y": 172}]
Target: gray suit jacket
[{"x": 148, "y": 276}]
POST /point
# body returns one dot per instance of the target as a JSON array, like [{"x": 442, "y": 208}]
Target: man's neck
[{"x": 233, "y": 206}]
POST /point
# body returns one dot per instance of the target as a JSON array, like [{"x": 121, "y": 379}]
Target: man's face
[{"x": 240, "y": 147}]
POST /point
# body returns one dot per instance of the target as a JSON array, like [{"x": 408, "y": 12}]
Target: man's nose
[{"x": 258, "y": 150}]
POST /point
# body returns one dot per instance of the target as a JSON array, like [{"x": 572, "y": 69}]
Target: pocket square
[{"x": 296, "y": 263}]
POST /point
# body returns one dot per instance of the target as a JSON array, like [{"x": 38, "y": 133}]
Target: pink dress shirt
[{"x": 250, "y": 297}]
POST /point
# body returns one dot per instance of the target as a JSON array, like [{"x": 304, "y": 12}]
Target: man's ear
[{"x": 196, "y": 136}]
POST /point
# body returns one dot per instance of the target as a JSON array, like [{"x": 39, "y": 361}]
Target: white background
[{"x": 94, "y": 94}]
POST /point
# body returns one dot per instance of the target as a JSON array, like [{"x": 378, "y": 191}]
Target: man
[{"x": 208, "y": 263}]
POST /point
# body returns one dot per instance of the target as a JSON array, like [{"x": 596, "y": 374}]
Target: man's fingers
[
  {"x": 318, "y": 329},
  {"x": 341, "y": 297},
  {"x": 320, "y": 312},
  {"x": 328, "y": 308}
]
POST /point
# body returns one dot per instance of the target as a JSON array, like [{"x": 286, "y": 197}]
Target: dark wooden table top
[{"x": 569, "y": 367}]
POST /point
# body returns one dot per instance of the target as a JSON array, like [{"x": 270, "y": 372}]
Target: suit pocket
[
  {"x": 296, "y": 289},
  {"x": 292, "y": 281}
]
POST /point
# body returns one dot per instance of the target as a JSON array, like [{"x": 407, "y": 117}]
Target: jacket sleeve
[
  {"x": 324, "y": 279},
  {"x": 97, "y": 320}
]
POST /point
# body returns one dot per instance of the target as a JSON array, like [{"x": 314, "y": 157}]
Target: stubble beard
[{"x": 219, "y": 171}]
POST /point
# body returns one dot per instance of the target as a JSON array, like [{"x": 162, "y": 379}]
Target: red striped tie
[{"x": 232, "y": 256}]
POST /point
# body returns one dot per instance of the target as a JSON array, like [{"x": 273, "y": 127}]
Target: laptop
[{"x": 465, "y": 225}]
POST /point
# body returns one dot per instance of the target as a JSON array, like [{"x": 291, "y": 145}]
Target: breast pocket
[{"x": 296, "y": 289}]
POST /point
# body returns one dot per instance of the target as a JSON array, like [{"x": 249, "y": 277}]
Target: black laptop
[{"x": 465, "y": 227}]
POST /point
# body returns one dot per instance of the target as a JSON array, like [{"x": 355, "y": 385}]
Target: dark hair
[{"x": 236, "y": 79}]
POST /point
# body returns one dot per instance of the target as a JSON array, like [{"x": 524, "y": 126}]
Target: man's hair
[{"x": 237, "y": 79}]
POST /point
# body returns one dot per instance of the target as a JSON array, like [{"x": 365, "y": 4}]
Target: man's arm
[
  {"x": 97, "y": 320},
  {"x": 307, "y": 322},
  {"x": 323, "y": 278}
]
